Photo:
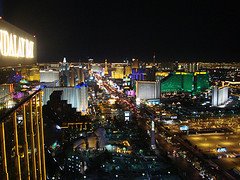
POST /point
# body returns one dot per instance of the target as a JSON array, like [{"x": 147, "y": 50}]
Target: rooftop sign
[{"x": 16, "y": 46}]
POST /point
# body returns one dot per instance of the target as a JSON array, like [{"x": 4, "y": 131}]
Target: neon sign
[{"x": 12, "y": 45}]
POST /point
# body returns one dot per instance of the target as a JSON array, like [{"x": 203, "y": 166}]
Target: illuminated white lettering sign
[{"x": 15, "y": 46}]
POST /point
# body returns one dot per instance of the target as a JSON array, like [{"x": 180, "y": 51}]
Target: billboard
[{"x": 16, "y": 46}]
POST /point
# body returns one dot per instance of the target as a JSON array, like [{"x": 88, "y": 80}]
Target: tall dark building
[
  {"x": 150, "y": 73},
  {"x": 64, "y": 73},
  {"x": 135, "y": 64},
  {"x": 21, "y": 123}
]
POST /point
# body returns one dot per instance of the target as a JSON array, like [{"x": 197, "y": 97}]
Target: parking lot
[{"x": 209, "y": 143}]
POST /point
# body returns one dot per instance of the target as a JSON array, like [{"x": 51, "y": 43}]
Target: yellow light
[
  {"x": 126, "y": 143},
  {"x": 112, "y": 101},
  {"x": 182, "y": 73},
  {"x": 196, "y": 73},
  {"x": 164, "y": 74}
]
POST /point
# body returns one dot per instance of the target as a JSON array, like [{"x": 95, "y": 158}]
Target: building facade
[
  {"x": 76, "y": 96},
  {"x": 219, "y": 95},
  {"x": 147, "y": 90},
  {"x": 185, "y": 82},
  {"x": 21, "y": 124}
]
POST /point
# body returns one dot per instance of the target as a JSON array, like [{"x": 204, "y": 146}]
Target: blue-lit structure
[
  {"x": 138, "y": 74},
  {"x": 80, "y": 85}
]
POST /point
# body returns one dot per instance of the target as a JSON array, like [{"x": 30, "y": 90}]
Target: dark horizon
[
  {"x": 1, "y": 8},
  {"x": 180, "y": 31}
]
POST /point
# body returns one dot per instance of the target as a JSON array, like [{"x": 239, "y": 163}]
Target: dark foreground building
[{"x": 22, "y": 154}]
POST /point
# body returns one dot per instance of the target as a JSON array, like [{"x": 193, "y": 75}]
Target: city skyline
[
  {"x": 125, "y": 30},
  {"x": 123, "y": 90},
  {"x": 98, "y": 117}
]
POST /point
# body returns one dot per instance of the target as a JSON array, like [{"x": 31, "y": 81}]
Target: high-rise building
[
  {"x": 106, "y": 68},
  {"x": 201, "y": 81},
  {"x": 135, "y": 64},
  {"x": 76, "y": 75},
  {"x": 138, "y": 74},
  {"x": 48, "y": 76},
  {"x": 21, "y": 125},
  {"x": 64, "y": 73},
  {"x": 118, "y": 72},
  {"x": 127, "y": 71},
  {"x": 147, "y": 90},
  {"x": 173, "y": 82},
  {"x": 76, "y": 96},
  {"x": 215, "y": 96},
  {"x": 80, "y": 75},
  {"x": 150, "y": 73},
  {"x": 219, "y": 96},
  {"x": 70, "y": 74},
  {"x": 185, "y": 82}
]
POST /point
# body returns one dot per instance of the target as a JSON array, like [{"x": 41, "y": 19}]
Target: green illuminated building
[
  {"x": 185, "y": 82},
  {"x": 201, "y": 81},
  {"x": 172, "y": 83}
]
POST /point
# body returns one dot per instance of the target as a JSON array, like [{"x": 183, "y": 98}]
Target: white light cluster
[{"x": 12, "y": 45}]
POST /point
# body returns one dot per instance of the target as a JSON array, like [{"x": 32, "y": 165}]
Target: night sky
[{"x": 175, "y": 30}]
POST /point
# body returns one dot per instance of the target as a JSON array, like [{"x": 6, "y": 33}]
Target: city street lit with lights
[{"x": 118, "y": 90}]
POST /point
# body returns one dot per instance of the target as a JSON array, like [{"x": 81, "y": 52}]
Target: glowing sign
[{"x": 15, "y": 46}]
